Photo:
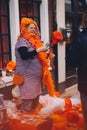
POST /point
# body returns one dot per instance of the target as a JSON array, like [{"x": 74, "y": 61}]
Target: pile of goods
[
  {"x": 66, "y": 113},
  {"x": 30, "y": 121},
  {"x": 51, "y": 114}
]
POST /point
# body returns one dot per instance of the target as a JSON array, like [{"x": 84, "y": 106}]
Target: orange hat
[
  {"x": 26, "y": 21},
  {"x": 56, "y": 37}
]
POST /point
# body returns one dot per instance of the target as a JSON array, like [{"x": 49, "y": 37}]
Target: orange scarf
[{"x": 46, "y": 74}]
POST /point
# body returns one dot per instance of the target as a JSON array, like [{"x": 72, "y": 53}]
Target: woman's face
[{"x": 32, "y": 29}]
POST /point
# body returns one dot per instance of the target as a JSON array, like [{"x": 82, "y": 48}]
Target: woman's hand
[{"x": 42, "y": 49}]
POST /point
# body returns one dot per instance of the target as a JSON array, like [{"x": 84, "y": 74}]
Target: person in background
[
  {"x": 78, "y": 57},
  {"x": 31, "y": 55}
]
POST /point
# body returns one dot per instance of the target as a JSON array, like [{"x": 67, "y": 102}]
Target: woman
[{"x": 32, "y": 64}]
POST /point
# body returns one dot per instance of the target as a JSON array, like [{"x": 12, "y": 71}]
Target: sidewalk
[
  {"x": 69, "y": 83},
  {"x": 67, "y": 88}
]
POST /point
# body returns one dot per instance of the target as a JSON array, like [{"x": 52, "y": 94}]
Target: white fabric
[
  {"x": 51, "y": 104},
  {"x": 16, "y": 92}
]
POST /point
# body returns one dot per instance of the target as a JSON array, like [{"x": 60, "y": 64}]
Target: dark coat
[{"x": 77, "y": 56}]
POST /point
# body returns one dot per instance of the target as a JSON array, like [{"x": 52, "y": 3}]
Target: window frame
[
  {"x": 4, "y": 60},
  {"x": 33, "y": 2}
]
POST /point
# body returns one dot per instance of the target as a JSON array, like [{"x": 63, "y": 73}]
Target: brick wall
[{"x": 52, "y": 16}]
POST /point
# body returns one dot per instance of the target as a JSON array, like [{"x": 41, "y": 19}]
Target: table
[{"x": 6, "y": 86}]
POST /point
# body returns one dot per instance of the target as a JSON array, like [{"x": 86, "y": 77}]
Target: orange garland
[{"x": 36, "y": 43}]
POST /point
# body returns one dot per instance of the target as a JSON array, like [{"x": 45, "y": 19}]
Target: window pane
[
  {"x": 36, "y": 10},
  {"x": 5, "y": 53},
  {"x": 5, "y": 45},
  {"x": 37, "y": 20},
  {"x": 6, "y": 59},
  {"x": 4, "y": 26},
  {"x": 30, "y": 10},
  {"x": 3, "y": 8},
  {"x": 23, "y": 9}
]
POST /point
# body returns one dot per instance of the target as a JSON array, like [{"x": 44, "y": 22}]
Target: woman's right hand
[{"x": 42, "y": 49}]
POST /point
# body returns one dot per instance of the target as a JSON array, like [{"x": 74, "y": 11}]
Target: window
[
  {"x": 79, "y": 5},
  {"x": 30, "y": 9},
  {"x": 5, "y": 52}
]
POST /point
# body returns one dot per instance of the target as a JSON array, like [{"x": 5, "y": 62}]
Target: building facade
[{"x": 50, "y": 16}]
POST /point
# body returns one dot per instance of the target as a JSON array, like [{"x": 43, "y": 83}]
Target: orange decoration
[
  {"x": 56, "y": 37},
  {"x": 37, "y": 43},
  {"x": 59, "y": 122},
  {"x": 30, "y": 121},
  {"x": 18, "y": 79},
  {"x": 68, "y": 104},
  {"x": 39, "y": 106},
  {"x": 51, "y": 56},
  {"x": 78, "y": 107},
  {"x": 72, "y": 116},
  {"x": 10, "y": 66},
  {"x": 81, "y": 122}
]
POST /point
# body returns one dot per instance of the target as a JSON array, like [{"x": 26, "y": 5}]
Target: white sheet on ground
[{"x": 52, "y": 104}]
